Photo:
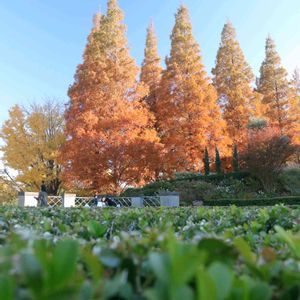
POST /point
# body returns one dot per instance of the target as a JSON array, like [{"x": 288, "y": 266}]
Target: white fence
[{"x": 170, "y": 199}]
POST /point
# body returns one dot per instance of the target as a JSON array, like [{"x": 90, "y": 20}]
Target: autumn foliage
[
  {"x": 32, "y": 139},
  {"x": 126, "y": 125},
  {"x": 151, "y": 69},
  {"x": 232, "y": 79},
  {"x": 266, "y": 153},
  {"x": 187, "y": 112},
  {"x": 111, "y": 142}
]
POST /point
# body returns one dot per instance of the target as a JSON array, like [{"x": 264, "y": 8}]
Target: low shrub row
[
  {"x": 224, "y": 187},
  {"x": 292, "y": 200},
  {"x": 183, "y": 181},
  {"x": 205, "y": 253},
  {"x": 211, "y": 177}
]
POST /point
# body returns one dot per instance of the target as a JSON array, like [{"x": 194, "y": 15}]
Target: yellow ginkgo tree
[{"x": 31, "y": 142}]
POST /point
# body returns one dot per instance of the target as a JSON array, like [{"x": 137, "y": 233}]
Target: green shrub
[
  {"x": 212, "y": 177},
  {"x": 185, "y": 175},
  {"x": 152, "y": 253},
  {"x": 150, "y": 189},
  {"x": 292, "y": 200},
  {"x": 190, "y": 191},
  {"x": 290, "y": 179}
]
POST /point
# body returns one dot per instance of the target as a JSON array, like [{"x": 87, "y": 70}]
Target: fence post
[
  {"x": 68, "y": 200},
  {"x": 137, "y": 202},
  {"x": 170, "y": 199},
  {"x": 27, "y": 199}
]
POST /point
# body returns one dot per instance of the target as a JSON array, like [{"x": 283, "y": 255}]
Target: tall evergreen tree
[
  {"x": 232, "y": 79},
  {"x": 274, "y": 87},
  {"x": 151, "y": 68},
  {"x": 206, "y": 162},
  {"x": 235, "y": 159},
  {"x": 111, "y": 142},
  {"x": 218, "y": 162},
  {"x": 187, "y": 111}
]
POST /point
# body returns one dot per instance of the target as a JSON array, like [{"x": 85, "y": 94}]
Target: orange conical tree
[
  {"x": 232, "y": 79},
  {"x": 294, "y": 111},
  {"x": 274, "y": 87},
  {"x": 110, "y": 137},
  {"x": 188, "y": 116},
  {"x": 151, "y": 68}
]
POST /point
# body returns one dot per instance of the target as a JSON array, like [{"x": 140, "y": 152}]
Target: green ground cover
[{"x": 181, "y": 253}]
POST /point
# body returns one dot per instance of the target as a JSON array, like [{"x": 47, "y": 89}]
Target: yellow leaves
[
  {"x": 31, "y": 141},
  {"x": 8, "y": 193}
]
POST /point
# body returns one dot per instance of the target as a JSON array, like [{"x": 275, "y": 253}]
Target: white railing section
[
  {"x": 151, "y": 201},
  {"x": 171, "y": 199},
  {"x": 55, "y": 201},
  {"x": 83, "y": 201}
]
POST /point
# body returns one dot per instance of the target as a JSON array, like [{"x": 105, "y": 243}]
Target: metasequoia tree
[
  {"x": 232, "y": 80},
  {"x": 295, "y": 82},
  {"x": 110, "y": 139},
  {"x": 32, "y": 139},
  {"x": 188, "y": 116},
  {"x": 294, "y": 110},
  {"x": 151, "y": 68},
  {"x": 274, "y": 87}
]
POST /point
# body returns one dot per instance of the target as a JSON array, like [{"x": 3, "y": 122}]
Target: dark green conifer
[
  {"x": 218, "y": 162},
  {"x": 235, "y": 159},
  {"x": 206, "y": 162}
]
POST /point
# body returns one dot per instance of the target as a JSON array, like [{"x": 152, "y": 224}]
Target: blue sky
[{"x": 42, "y": 41}]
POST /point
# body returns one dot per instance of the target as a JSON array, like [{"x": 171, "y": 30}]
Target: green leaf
[
  {"x": 96, "y": 229},
  {"x": 64, "y": 262},
  {"x": 93, "y": 264},
  {"x": 185, "y": 260},
  {"x": 6, "y": 287},
  {"x": 223, "y": 279},
  {"x": 217, "y": 249},
  {"x": 182, "y": 292},
  {"x": 293, "y": 241},
  {"x": 245, "y": 250},
  {"x": 110, "y": 259},
  {"x": 32, "y": 271},
  {"x": 117, "y": 286},
  {"x": 261, "y": 291},
  {"x": 160, "y": 264},
  {"x": 206, "y": 288}
]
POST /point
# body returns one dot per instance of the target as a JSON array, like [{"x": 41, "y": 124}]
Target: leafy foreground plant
[{"x": 183, "y": 253}]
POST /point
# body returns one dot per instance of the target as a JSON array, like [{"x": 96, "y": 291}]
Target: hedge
[
  {"x": 292, "y": 200},
  {"x": 213, "y": 177}
]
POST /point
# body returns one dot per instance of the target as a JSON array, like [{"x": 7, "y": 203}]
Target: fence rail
[
  {"x": 55, "y": 201},
  {"x": 151, "y": 201},
  {"x": 83, "y": 201},
  {"x": 70, "y": 200}
]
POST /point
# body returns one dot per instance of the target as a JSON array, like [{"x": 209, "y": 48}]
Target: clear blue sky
[{"x": 42, "y": 41}]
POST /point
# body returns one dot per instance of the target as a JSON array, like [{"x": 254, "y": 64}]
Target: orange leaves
[
  {"x": 116, "y": 145},
  {"x": 232, "y": 79},
  {"x": 188, "y": 115}
]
